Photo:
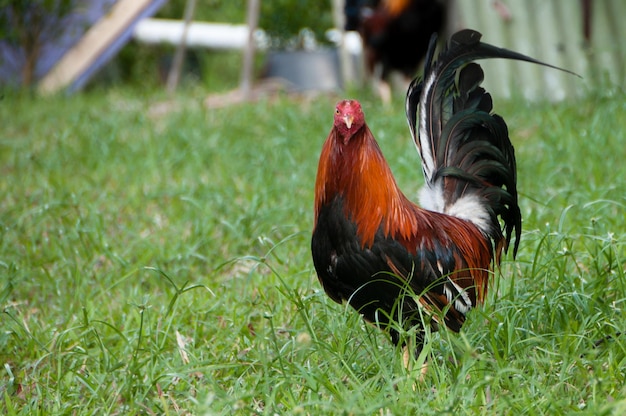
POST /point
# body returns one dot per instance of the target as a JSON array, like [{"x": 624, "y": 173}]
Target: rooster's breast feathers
[{"x": 432, "y": 264}]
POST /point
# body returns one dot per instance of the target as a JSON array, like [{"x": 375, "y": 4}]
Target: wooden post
[
  {"x": 247, "y": 70},
  {"x": 177, "y": 64},
  {"x": 344, "y": 58}
]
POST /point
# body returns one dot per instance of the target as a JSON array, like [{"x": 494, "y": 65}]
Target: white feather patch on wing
[
  {"x": 468, "y": 207},
  {"x": 472, "y": 209},
  {"x": 431, "y": 198}
]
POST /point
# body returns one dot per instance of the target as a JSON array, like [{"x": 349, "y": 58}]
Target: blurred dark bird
[
  {"x": 400, "y": 265},
  {"x": 395, "y": 35}
]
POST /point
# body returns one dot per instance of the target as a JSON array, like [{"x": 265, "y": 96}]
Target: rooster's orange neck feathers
[{"x": 353, "y": 167}]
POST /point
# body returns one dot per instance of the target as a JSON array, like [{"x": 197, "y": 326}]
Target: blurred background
[
  {"x": 155, "y": 240},
  {"x": 69, "y": 45}
]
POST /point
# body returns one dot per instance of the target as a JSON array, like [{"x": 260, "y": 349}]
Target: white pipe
[{"x": 200, "y": 34}]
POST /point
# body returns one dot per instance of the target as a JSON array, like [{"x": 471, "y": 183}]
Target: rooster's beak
[{"x": 348, "y": 119}]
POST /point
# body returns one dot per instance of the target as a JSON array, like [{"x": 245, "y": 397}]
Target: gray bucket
[{"x": 306, "y": 70}]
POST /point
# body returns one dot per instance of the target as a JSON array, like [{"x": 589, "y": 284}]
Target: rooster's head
[{"x": 349, "y": 118}]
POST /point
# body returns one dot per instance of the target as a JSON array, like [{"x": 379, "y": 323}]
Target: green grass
[{"x": 158, "y": 263}]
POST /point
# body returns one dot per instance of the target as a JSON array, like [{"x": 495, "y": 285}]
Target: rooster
[
  {"x": 398, "y": 264},
  {"x": 395, "y": 36}
]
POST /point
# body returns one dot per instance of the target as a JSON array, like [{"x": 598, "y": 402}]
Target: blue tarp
[{"x": 59, "y": 36}]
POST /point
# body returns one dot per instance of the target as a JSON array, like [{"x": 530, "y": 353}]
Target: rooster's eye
[{"x": 336, "y": 111}]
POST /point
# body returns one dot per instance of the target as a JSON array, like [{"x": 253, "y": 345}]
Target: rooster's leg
[
  {"x": 384, "y": 90},
  {"x": 406, "y": 361},
  {"x": 406, "y": 357}
]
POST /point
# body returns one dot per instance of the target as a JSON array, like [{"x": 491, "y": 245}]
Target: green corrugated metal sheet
[{"x": 552, "y": 31}]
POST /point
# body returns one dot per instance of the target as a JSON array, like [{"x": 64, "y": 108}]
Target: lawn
[{"x": 154, "y": 259}]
